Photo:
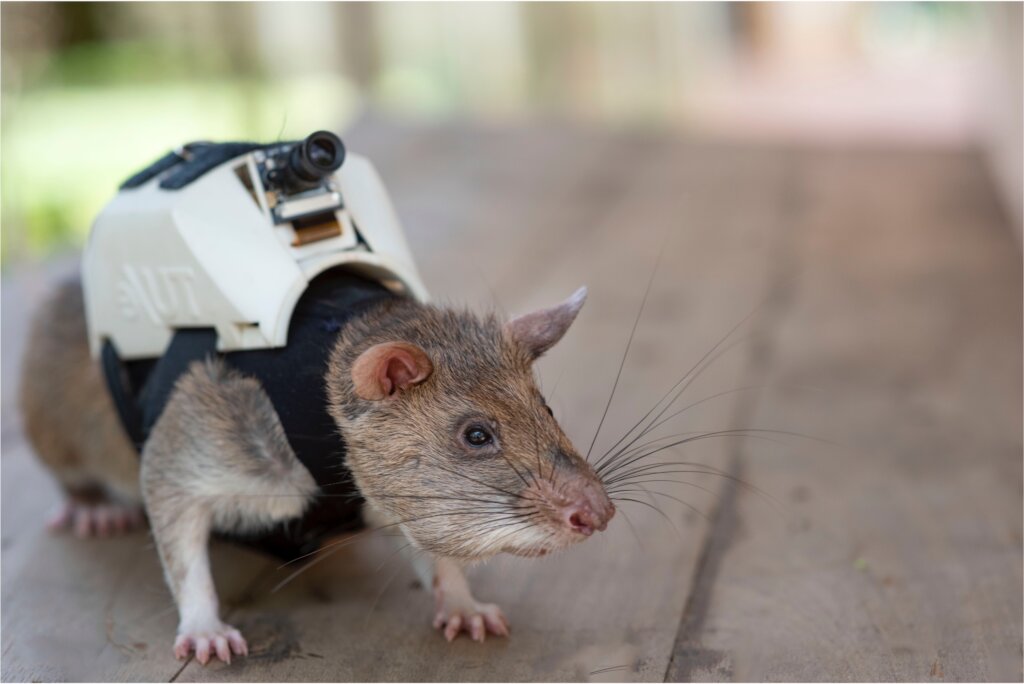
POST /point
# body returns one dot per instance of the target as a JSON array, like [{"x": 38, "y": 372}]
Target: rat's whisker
[
  {"x": 550, "y": 397},
  {"x": 669, "y": 496},
  {"x": 498, "y": 543},
  {"x": 348, "y": 540},
  {"x": 561, "y": 487},
  {"x": 328, "y": 549},
  {"x": 687, "y": 374},
  {"x": 664, "y": 468},
  {"x": 391, "y": 578},
  {"x": 625, "y": 455},
  {"x": 535, "y": 433},
  {"x": 632, "y": 529},
  {"x": 752, "y": 433},
  {"x": 650, "y": 495},
  {"x": 527, "y": 496},
  {"x": 742, "y": 483},
  {"x": 479, "y": 482},
  {"x": 644, "y": 503},
  {"x": 510, "y": 529},
  {"x": 507, "y": 521},
  {"x": 722, "y": 394},
  {"x": 514, "y": 469},
  {"x": 658, "y": 464},
  {"x": 613, "y": 668},
  {"x": 500, "y": 521},
  {"x": 625, "y": 467},
  {"x": 617, "y": 488},
  {"x": 652, "y": 448},
  {"x": 685, "y": 383},
  {"x": 625, "y": 353},
  {"x": 437, "y": 497}
]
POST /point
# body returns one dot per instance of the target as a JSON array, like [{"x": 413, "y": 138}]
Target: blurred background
[
  {"x": 855, "y": 167},
  {"x": 93, "y": 91}
]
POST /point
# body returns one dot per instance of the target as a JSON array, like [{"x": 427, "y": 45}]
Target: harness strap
[
  {"x": 139, "y": 412},
  {"x": 187, "y": 345},
  {"x": 117, "y": 383}
]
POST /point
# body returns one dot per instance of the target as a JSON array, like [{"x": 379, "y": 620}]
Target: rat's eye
[
  {"x": 477, "y": 436},
  {"x": 548, "y": 409}
]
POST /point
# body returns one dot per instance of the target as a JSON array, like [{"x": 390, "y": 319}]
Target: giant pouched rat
[{"x": 446, "y": 437}]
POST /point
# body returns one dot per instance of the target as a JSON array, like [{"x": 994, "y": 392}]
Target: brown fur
[
  {"x": 68, "y": 415},
  {"x": 404, "y": 451},
  {"x": 218, "y": 459},
  {"x": 406, "y": 455}
]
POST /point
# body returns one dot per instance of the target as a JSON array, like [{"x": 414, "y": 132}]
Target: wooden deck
[{"x": 888, "y": 287}]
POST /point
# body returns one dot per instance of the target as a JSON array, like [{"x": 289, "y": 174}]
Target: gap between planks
[{"x": 688, "y": 655}]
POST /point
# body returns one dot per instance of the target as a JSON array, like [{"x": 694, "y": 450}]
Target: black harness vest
[{"x": 293, "y": 378}]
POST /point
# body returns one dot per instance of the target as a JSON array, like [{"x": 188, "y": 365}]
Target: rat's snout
[
  {"x": 587, "y": 512},
  {"x": 569, "y": 504},
  {"x": 581, "y": 518}
]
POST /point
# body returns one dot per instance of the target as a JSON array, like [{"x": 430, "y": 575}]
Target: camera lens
[
  {"x": 321, "y": 153},
  {"x": 312, "y": 160}
]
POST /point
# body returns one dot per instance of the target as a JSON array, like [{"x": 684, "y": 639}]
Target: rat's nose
[{"x": 581, "y": 517}]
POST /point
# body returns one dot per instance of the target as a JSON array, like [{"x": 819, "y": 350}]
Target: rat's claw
[
  {"x": 182, "y": 646},
  {"x": 495, "y": 620},
  {"x": 203, "y": 650},
  {"x": 477, "y": 631},
  {"x": 451, "y": 630},
  {"x": 476, "y": 619},
  {"x": 218, "y": 641},
  {"x": 223, "y": 650},
  {"x": 237, "y": 642}
]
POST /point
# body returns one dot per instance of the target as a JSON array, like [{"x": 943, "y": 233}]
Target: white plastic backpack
[{"x": 228, "y": 236}]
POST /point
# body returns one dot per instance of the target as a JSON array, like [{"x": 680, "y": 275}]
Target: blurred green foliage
[
  {"x": 56, "y": 176},
  {"x": 98, "y": 113},
  {"x": 124, "y": 62},
  {"x": 94, "y": 91}
]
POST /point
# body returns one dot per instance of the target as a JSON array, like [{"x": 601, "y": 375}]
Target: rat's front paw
[
  {"x": 220, "y": 640},
  {"x": 464, "y": 614}
]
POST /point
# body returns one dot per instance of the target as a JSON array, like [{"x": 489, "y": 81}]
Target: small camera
[
  {"x": 303, "y": 166},
  {"x": 298, "y": 176}
]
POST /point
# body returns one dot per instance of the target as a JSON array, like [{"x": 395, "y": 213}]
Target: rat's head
[{"x": 449, "y": 435}]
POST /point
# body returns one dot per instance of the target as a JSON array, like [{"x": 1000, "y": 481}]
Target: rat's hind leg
[
  {"x": 100, "y": 480},
  {"x": 99, "y": 475},
  {"x": 72, "y": 424},
  {"x": 217, "y": 459},
  {"x": 89, "y": 511}
]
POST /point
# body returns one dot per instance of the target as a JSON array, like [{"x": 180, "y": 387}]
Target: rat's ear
[
  {"x": 539, "y": 331},
  {"x": 385, "y": 368}
]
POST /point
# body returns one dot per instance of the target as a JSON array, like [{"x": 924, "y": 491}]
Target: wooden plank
[
  {"x": 98, "y": 610},
  {"x": 901, "y": 307}
]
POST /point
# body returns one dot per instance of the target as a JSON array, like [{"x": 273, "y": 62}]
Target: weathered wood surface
[
  {"x": 890, "y": 323},
  {"x": 898, "y": 301}
]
